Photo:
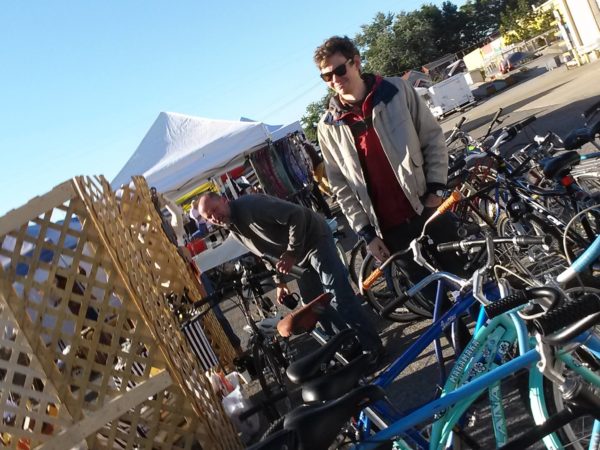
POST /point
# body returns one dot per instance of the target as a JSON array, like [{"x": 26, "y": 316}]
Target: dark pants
[
  {"x": 328, "y": 272},
  {"x": 441, "y": 229}
]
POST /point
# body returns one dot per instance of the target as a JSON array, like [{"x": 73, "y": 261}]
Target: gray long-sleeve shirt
[{"x": 270, "y": 226}]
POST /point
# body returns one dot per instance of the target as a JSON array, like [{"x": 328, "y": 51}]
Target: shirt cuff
[{"x": 367, "y": 233}]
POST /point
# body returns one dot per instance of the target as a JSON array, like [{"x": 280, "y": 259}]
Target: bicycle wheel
[
  {"x": 575, "y": 435},
  {"x": 341, "y": 253},
  {"x": 386, "y": 288},
  {"x": 536, "y": 262},
  {"x": 270, "y": 365},
  {"x": 357, "y": 255}
]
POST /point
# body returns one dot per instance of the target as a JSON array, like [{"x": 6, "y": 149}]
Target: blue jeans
[{"x": 328, "y": 272}]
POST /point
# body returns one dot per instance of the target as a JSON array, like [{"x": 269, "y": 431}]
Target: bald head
[{"x": 214, "y": 209}]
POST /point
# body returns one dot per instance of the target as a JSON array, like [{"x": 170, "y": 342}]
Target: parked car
[{"x": 514, "y": 60}]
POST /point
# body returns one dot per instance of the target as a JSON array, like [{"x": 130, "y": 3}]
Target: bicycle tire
[
  {"x": 341, "y": 253},
  {"x": 556, "y": 262},
  {"x": 265, "y": 363},
  {"x": 411, "y": 310},
  {"x": 576, "y": 434},
  {"x": 357, "y": 255},
  {"x": 274, "y": 427}
]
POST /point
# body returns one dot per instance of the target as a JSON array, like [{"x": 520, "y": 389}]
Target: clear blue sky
[{"x": 81, "y": 81}]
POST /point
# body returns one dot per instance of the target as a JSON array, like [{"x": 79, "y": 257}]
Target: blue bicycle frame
[
  {"x": 462, "y": 303},
  {"x": 404, "y": 425}
]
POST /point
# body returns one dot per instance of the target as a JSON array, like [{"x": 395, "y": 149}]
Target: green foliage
[
  {"x": 394, "y": 43},
  {"x": 519, "y": 22},
  {"x": 314, "y": 111}
]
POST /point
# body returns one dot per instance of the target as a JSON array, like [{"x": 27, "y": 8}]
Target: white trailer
[{"x": 447, "y": 95}]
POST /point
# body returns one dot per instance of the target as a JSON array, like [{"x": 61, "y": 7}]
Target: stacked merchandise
[{"x": 283, "y": 168}]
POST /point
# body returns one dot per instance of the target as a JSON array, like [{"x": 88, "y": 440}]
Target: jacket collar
[{"x": 384, "y": 92}]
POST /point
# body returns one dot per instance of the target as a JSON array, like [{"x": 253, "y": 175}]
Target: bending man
[{"x": 297, "y": 236}]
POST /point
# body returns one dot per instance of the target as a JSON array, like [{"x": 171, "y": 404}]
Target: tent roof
[{"x": 180, "y": 151}]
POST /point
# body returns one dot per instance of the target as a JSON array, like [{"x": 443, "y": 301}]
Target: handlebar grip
[
  {"x": 506, "y": 304},
  {"x": 497, "y": 115},
  {"x": 462, "y": 162},
  {"x": 533, "y": 240},
  {"x": 520, "y": 125},
  {"x": 395, "y": 303},
  {"x": 592, "y": 109},
  {"x": 449, "y": 202},
  {"x": 567, "y": 314},
  {"x": 296, "y": 271},
  {"x": 460, "y": 122},
  {"x": 448, "y": 247},
  {"x": 372, "y": 278}
]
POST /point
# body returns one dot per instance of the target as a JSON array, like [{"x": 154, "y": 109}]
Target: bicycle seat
[
  {"x": 559, "y": 166},
  {"x": 316, "y": 426},
  {"x": 333, "y": 385},
  {"x": 305, "y": 318},
  {"x": 309, "y": 366},
  {"x": 576, "y": 138}
]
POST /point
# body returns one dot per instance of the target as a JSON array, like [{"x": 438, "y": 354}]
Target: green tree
[
  {"x": 519, "y": 22},
  {"x": 314, "y": 111},
  {"x": 483, "y": 18}
]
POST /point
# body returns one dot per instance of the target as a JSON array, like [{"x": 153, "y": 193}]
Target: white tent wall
[{"x": 179, "y": 152}]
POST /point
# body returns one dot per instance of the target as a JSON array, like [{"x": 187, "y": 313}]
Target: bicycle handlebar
[
  {"x": 575, "y": 315},
  {"x": 590, "y": 255},
  {"x": 455, "y": 196},
  {"x": 549, "y": 295},
  {"x": 591, "y": 110},
  {"x": 449, "y": 202},
  {"x": 487, "y": 133},
  {"x": 510, "y": 132},
  {"x": 295, "y": 271},
  {"x": 218, "y": 292},
  {"x": 464, "y": 245}
]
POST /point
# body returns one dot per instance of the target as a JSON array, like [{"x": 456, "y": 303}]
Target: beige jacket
[{"x": 411, "y": 138}]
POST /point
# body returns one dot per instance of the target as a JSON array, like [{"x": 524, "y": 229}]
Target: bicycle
[
  {"x": 269, "y": 355},
  {"x": 455, "y": 399}
]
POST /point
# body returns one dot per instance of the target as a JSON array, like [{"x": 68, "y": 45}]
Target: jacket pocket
[{"x": 416, "y": 159}]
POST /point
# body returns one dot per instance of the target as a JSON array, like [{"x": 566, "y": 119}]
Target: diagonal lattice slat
[{"x": 90, "y": 354}]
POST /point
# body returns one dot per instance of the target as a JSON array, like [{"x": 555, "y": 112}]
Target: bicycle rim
[{"x": 379, "y": 295}]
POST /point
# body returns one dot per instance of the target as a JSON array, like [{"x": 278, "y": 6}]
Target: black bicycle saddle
[
  {"x": 316, "y": 426},
  {"x": 559, "y": 166},
  {"x": 310, "y": 365}
]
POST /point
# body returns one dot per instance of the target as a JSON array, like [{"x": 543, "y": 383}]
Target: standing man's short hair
[{"x": 335, "y": 44}]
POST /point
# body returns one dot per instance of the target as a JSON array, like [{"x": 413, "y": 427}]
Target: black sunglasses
[{"x": 339, "y": 71}]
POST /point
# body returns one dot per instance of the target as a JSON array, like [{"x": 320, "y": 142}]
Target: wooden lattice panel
[
  {"x": 89, "y": 353},
  {"x": 31, "y": 407},
  {"x": 171, "y": 273}
]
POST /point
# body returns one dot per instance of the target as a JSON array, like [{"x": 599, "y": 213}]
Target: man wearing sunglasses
[{"x": 384, "y": 153}]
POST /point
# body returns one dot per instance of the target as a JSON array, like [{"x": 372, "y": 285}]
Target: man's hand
[
  {"x": 432, "y": 201},
  {"x": 378, "y": 249},
  {"x": 282, "y": 291},
  {"x": 285, "y": 263}
]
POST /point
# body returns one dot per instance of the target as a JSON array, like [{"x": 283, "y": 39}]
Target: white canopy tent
[{"x": 179, "y": 152}]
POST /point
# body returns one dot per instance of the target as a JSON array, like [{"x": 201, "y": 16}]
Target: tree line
[{"x": 394, "y": 43}]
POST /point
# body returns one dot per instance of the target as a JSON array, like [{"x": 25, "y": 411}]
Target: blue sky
[{"x": 82, "y": 82}]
